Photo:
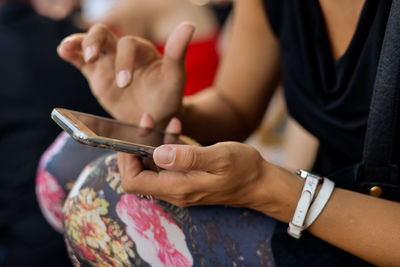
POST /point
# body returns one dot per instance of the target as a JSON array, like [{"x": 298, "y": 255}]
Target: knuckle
[
  {"x": 179, "y": 198},
  {"x": 187, "y": 199},
  {"x": 252, "y": 152},
  {"x": 225, "y": 157},
  {"x": 195, "y": 197},
  {"x": 126, "y": 50},
  {"x": 128, "y": 39},
  {"x": 183, "y": 200},
  {"x": 127, "y": 44},
  {"x": 179, "y": 204},
  {"x": 96, "y": 34},
  {"x": 184, "y": 203},
  {"x": 100, "y": 28},
  {"x": 224, "y": 163},
  {"x": 127, "y": 186},
  {"x": 190, "y": 158},
  {"x": 224, "y": 148}
]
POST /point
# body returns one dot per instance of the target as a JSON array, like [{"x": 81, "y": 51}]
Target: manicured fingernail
[
  {"x": 89, "y": 53},
  {"x": 123, "y": 78},
  {"x": 164, "y": 155}
]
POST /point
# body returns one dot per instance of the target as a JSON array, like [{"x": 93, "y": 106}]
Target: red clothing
[{"x": 201, "y": 64}]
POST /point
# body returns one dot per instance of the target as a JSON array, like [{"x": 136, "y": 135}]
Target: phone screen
[{"x": 126, "y": 132}]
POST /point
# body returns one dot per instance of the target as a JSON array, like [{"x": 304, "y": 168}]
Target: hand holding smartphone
[{"x": 114, "y": 135}]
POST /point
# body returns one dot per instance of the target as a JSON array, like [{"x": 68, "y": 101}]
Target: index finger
[
  {"x": 70, "y": 49},
  {"x": 173, "y": 130},
  {"x": 163, "y": 183},
  {"x": 98, "y": 39}
]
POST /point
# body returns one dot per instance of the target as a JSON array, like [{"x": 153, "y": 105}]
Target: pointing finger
[
  {"x": 173, "y": 129},
  {"x": 99, "y": 38},
  {"x": 70, "y": 50}
]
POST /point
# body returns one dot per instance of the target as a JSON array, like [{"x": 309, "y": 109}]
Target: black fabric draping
[{"x": 330, "y": 98}]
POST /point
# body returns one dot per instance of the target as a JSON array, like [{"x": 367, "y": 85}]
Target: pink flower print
[
  {"x": 51, "y": 198},
  {"x": 159, "y": 241}
]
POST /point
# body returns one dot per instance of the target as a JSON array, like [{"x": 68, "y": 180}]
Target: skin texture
[
  {"x": 341, "y": 18},
  {"x": 226, "y": 173},
  {"x": 160, "y": 79}
]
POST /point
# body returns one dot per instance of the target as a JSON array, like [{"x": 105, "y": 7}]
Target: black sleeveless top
[{"x": 329, "y": 98}]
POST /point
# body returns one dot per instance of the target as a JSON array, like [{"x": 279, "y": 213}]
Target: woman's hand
[
  {"x": 128, "y": 76},
  {"x": 227, "y": 173}
]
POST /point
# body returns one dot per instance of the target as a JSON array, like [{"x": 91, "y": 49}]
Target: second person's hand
[{"x": 129, "y": 76}]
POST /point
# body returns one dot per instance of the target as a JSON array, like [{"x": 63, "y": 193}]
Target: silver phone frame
[{"x": 82, "y": 133}]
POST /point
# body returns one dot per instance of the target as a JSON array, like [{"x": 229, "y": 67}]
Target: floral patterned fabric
[
  {"x": 104, "y": 226},
  {"x": 58, "y": 169}
]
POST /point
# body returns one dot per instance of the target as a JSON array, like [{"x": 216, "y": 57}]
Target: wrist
[{"x": 279, "y": 192}]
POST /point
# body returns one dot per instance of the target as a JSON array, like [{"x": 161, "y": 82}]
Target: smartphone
[{"x": 114, "y": 135}]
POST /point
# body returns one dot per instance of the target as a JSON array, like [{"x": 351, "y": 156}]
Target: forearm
[
  {"x": 365, "y": 226},
  {"x": 209, "y": 117},
  {"x": 362, "y": 225},
  {"x": 246, "y": 79}
]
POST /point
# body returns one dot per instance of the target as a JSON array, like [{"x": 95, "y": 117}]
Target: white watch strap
[
  {"x": 320, "y": 201},
  {"x": 296, "y": 226}
]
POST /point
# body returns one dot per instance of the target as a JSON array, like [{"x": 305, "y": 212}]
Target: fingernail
[
  {"x": 165, "y": 155},
  {"x": 123, "y": 78},
  {"x": 145, "y": 121},
  {"x": 174, "y": 126},
  {"x": 89, "y": 53}
]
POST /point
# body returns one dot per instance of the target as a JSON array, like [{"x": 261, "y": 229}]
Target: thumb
[
  {"x": 176, "y": 45},
  {"x": 185, "y": 157}
]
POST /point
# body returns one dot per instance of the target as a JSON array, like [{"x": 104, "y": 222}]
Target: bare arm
[
  {"x": 246, "y": 80},
  {"x": 365, "y": 226}
]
